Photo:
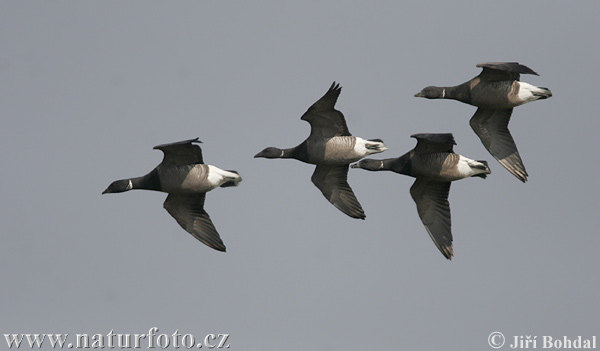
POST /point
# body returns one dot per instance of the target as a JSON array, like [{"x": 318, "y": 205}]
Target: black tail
[
  {"x": 231, "y": 182},
  {"x": 486, "y": 167},
  {"x": 485, "y": 163},
  {"x": 544, "y": 94}
]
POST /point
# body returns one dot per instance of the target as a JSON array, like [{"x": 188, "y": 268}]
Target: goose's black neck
[
  {"x": 460, "y": 92},
  {"x": 400, "y": 164},
  {"x": 150, "y": 181},
  {"x": 299, "y": 152}
]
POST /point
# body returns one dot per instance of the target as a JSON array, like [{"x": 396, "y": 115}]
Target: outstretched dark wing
[
  {"x": 433, "y": 208},
  {"x": 434, "y": 143},
  {"x": 503, "y": 70},
  {"x": 333, "y": 183},
  {"x": 491, "y": 126},
  {"x": 325, "y": 121},
  {"x": 181, "y": 153},
  {"x": 189, "y": 212}
]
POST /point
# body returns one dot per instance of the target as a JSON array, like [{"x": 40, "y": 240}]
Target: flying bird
[
  {"x": 495, "y": 92},
  {"x": 434, "y": 165},
  {"x": 184, "y": 176},
  {"x": 330, "y": 147}
]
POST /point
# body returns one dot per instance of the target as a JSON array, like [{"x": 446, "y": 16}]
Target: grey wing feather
[
  {"x": 181, "y": 153},
  {"x": 332, "y": 181},
  {"x": 325, "y": 121},
  {"x": 188, "y": 211},
  {"x": 434, "y": 210},
  {"x": 434, "y": 143},
  {"x": 492, "y": 128}
]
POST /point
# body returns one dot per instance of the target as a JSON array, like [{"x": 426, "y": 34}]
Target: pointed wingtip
[
  {"x": 448, "y": 252},
  {"x": 514, "y": 166},
  {"x": 335, "y": 87}
]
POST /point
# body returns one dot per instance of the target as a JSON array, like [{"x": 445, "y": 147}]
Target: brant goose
[
  {"x": 331, "y": 148},
  {"x": 184, "y": 176},
  {"x": 434, "y": 165},
  {"x": 495, "y": 92}
]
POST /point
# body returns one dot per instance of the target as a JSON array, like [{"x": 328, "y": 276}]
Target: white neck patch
[
  {"x": 443, "y": 93},
  {"x": 129, "y": 186}
]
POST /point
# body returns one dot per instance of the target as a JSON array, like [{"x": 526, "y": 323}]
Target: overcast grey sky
[{"x": 88, "y": 88}]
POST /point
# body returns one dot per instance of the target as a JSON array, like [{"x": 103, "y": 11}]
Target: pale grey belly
[{"x": 439, "y": 167}]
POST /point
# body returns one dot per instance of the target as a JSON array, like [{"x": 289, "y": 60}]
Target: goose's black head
[
  {"x": 270, "y": 152},
  {"x": 369, "y": 164},
  {"x": 431, "y": 92},
  {"x": 119, "y": 186}
]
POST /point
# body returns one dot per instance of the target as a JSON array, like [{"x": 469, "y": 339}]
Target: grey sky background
[{"x": 88, "y": 88}]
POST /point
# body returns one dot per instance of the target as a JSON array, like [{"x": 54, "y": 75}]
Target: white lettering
[
  {"x": 188, "y": 341},
  {"x": 163, "y": 341},
  {"x": 59, "y": 339},
  {"x": 138, "y": 338},
  {"x": 13, "y": 339},
  {"x": 223, "y": 340},
  {"x": 110, "y": 339},
  {"x": 208, "y": 344},
  {"x": 176, "y": 336},
  {"x": 151, "y": 334},
  {"x": 83, "y": 341},
  {"x": 98, "y": 341},
  {"x": 36, "y": 340}
]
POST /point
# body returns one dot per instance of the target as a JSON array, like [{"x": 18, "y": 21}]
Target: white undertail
[
  {"x": 469, "y": 168},
  {"x": 216, "y": 176},
  {"x": 528, "y": 93},
  {"x": 368, "y": 147}
]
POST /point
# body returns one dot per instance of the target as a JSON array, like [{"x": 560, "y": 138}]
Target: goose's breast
[
  {"x": 496, "y": 94},
  {"x": 186, "y": 179}
]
